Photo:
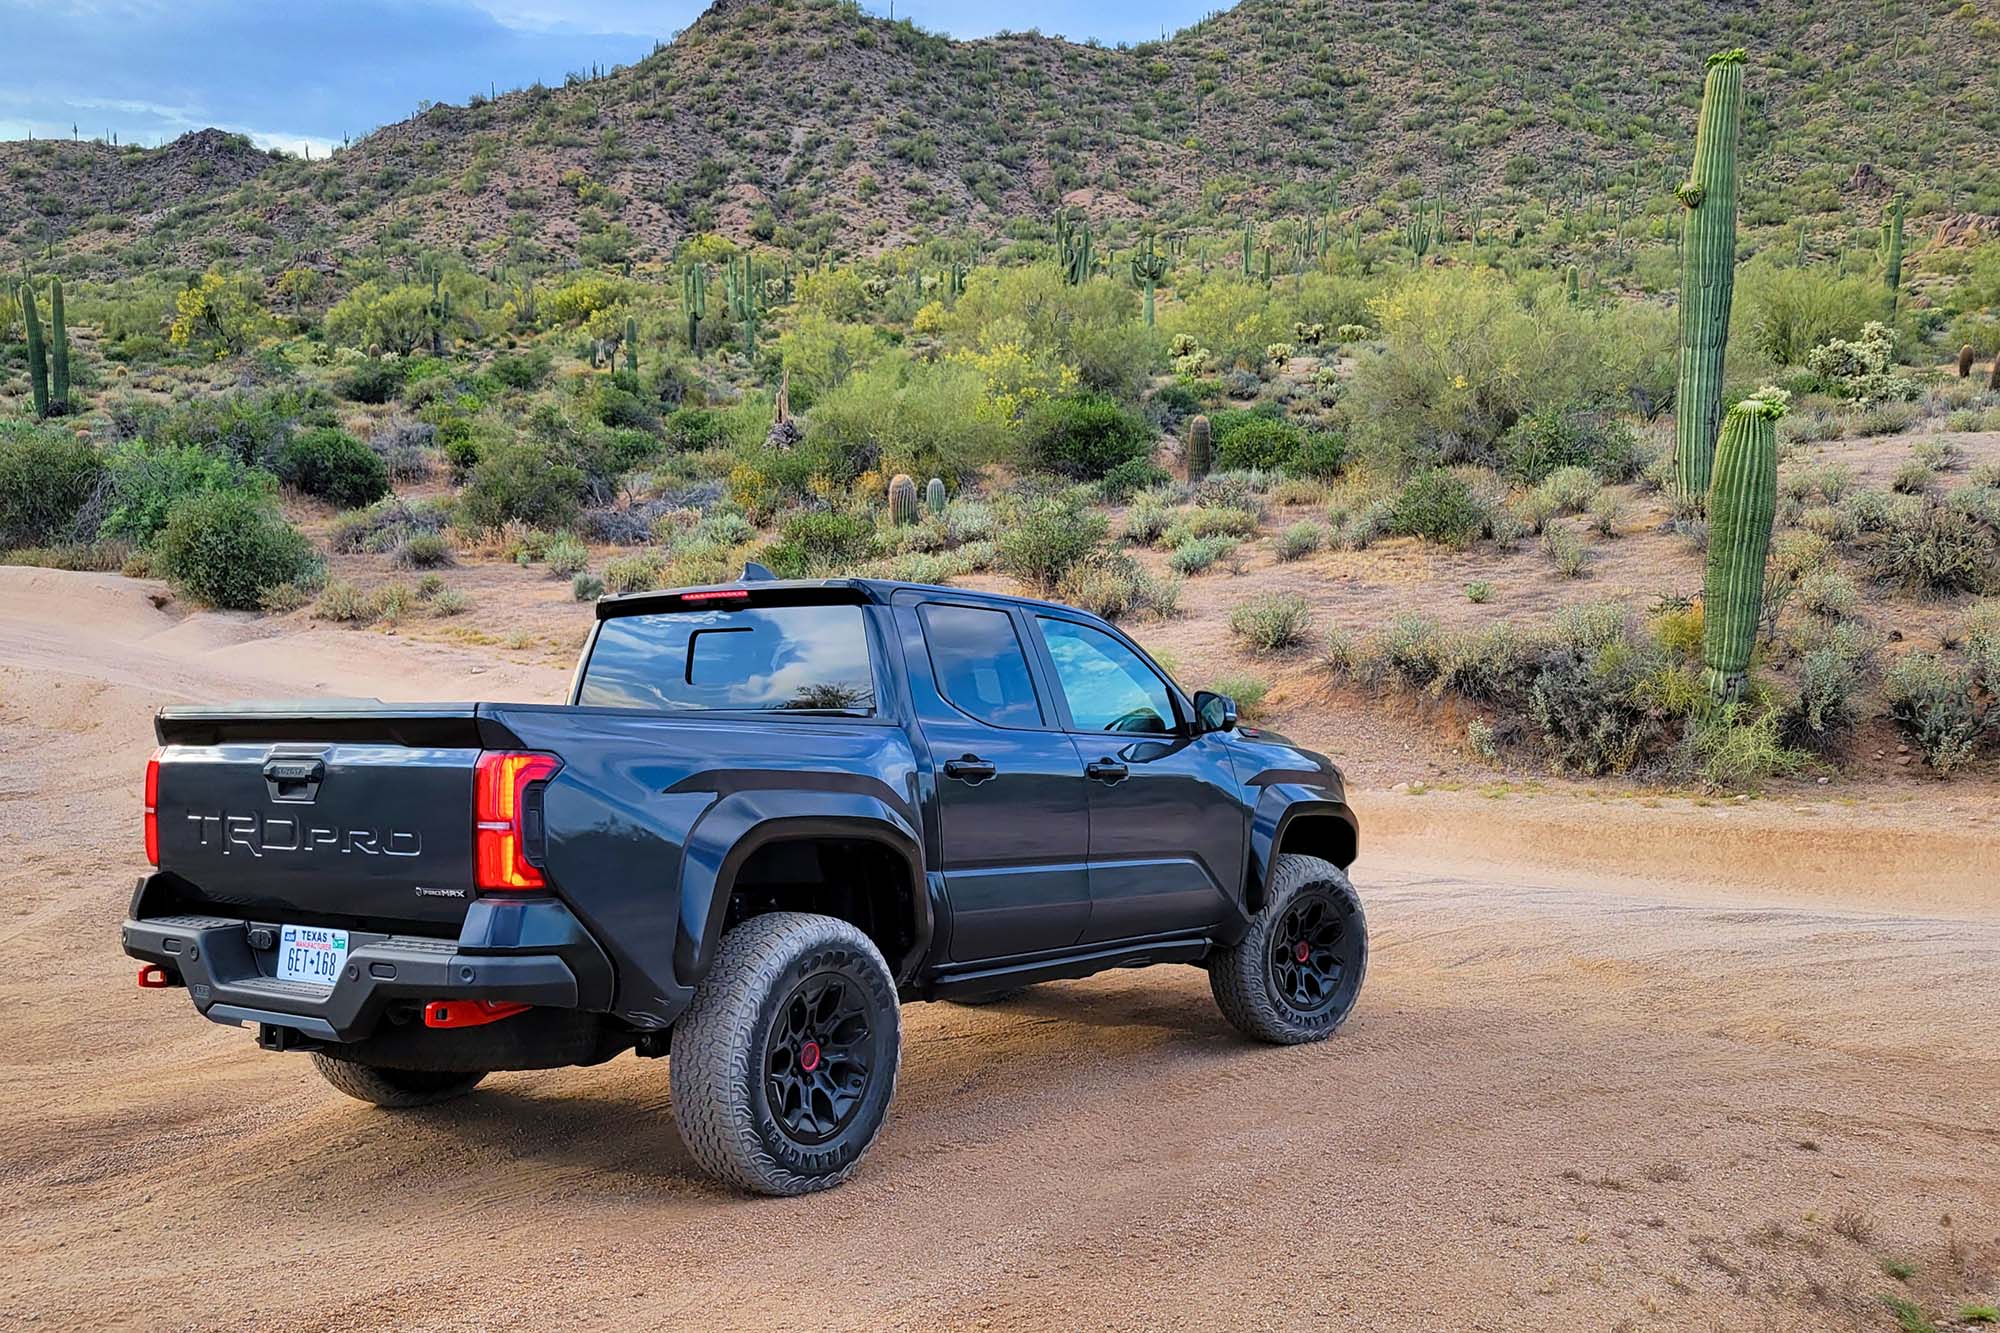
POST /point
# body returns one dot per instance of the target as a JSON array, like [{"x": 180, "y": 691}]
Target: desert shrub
[
  {"x": 329, "y": 464},
  {"x": 1935, "y": 552},
  {"x": 521, "y": 482},
  {"x": 1828, "y": 594},
  {"x": 423, "y": 550},
  {"x": 1193, "y": 555},
  {"x": 450, "y": 602},
  {"x": 1248, "y": 692},
  {"x": 1272, "y": 621},
  {"x": 1115, "y": 586},
  {"x": 929, "y": 420},
  {"x": 372, "y": 381},
  {"x": 1299, "y": 541},
  {"x": 1440, "y": 506},
  {"x": 1137, "y": 474},
  {"x": 521, "y": 370},
  {"x": 1607, "y": 512},
  {"x": 1829, "y": 521},
  {"x": 1565, "y": 550},
  {"x": 1148, "y": 517},
  {"x": 566, "y": 555},
  {"x": 1568, "y": 490},
  {"x": 1246, "y": 440},
  {"x": 1479, "y": 592},
  {"x": 47, "y": 476},
  {"x": 633, "y": 573},
  {"x": 1027, "y": 314},
  {"x": 1785, "y": 310},
  {"x": 1083, "y": 437},
  {"x": 1733, "y": 748},
  {"x": 1913, "y": 477},
  {"x": 1589, "y": 699},
  {"x": 1321, "y": 455},
  {"x": 1049, "y": 539},
  {"x": 226, "y": 548},
  {"x": 344, "y": 603},
  {"x": 405, "y": 448},
  {"x": 1234, "y": 317},
  {"x": 1935, "y": 706},
  {"x": 147, "y": 479},
  {"x": 1822, "y": 713},
  {"x": 819, "y": 541},
  {"x": 586, "y": 587},
  {"x": 385, "y": 525},
  {"x": 1562, "y": 436},
  {"x": 1208, "y": 521}
]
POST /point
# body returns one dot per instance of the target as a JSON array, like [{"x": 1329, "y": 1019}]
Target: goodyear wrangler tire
[
  {"x": 783, "y": 1066},
  {"x": 1295, "y": 975},
  {"x": 395, "y": 1089}
]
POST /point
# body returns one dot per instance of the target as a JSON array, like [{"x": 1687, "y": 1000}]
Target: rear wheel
[
  {"x": 1295, "y": 975},
  {"x": 783, "y": 1066},
  {"x": 396, "y": 1089}
]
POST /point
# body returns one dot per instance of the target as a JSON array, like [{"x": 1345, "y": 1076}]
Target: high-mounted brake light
[
  {"x": 502, "y": 824},
  {"x": 153, "y": 809},
  {"x": 719, "y": 595}
]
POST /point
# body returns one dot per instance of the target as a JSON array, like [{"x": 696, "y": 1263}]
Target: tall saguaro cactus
[
  {"x": 1708, "y": 273},
  {"x": 1742, "y": 502},
  {"x": 694, "y": 302},
  {"x": 38, "y": 357},
  {"x": 1893, "y": 273},
  {"x": 1149, "y": 270},
  {"x": 58, "y": 350}
]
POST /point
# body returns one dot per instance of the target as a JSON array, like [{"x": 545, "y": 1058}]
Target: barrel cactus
[
  {"x": 1965, "y": 357},
  {"x": 1199, "y": 440},
  {"x": 902, "y": 499},
  {"x": 1742, "y": 502},
  {"x": 934, "y": 497},
  {"x": 1708, "y": 273}
]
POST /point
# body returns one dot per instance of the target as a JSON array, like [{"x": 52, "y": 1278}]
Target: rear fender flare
[{"x": 735, "y": 827}]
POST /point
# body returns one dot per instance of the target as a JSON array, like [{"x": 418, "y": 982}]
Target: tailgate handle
[{"x": 294, "y": 778}]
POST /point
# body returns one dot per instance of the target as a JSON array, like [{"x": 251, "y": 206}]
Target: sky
[{"x": 303, "y": 75}]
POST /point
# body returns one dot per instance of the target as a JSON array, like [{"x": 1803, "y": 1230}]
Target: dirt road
[{"x": 1572, "y": 1096}]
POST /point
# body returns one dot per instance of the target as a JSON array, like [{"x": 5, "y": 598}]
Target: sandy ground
[{"x": 1622, "y": 1062}]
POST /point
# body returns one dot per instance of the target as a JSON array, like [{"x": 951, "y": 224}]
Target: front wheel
[
  {"x": 783, "y": 1065},
  {"x": 395, "y": 1089},
  {"x": 1295, "y": 975}
]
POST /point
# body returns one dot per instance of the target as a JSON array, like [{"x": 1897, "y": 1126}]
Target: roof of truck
[{"x": 767, "y": 590}]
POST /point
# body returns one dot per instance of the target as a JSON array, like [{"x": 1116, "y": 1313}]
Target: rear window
[{"x": 772, "y": 658}]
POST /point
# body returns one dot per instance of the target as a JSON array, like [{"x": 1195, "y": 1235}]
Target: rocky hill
[{"x": 812, "y": 125}]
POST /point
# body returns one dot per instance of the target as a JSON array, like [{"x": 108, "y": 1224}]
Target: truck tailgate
[{"x": 341, "y": 830}]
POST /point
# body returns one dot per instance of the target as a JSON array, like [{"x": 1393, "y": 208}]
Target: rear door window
[
  {"x": 765, "y": 659},
  {"x": 979, "y": 664}
]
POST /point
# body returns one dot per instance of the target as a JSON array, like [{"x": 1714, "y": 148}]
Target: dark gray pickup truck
[{"x": 769, "y": 813}]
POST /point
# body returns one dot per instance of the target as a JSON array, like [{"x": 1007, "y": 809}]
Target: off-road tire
[
  {"x": 744, "y": 1039},
  {"x": 1245, "y": 978},
  {"x": 396, "y": 1089}
]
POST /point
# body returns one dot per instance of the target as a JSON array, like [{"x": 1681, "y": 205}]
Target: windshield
[{"x": 773, "y": 658}]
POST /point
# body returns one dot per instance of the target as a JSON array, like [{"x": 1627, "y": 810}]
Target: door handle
[
  {"x": 1107, "y": 770},
  {"x": 971, "y": 768}
]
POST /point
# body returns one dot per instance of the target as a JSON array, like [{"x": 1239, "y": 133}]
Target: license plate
[{"x": 311, "y": 953}]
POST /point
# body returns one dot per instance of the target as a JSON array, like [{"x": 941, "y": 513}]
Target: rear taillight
[
  {"x": 505, "y": 825},
  {"x": 153, "y": 809}
]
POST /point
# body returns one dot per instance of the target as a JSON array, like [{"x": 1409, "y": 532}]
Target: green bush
[
  {"x": 1935, "y": 706},
  {"x": 1192, "y": 555},
  {"x": 586, "y": 587},
  {"x": 1272, "y": 621},
  {"x": 1934, "y": 551},
  {"x": 1249, "y": 440},
  {"x": 1115, "y": 586},
  {"x": 815, "y": 542},
  {"x": 228, "y": 548},
  {"x": 372, "y": 381},
  {"x": 331, "y": 465},
  {"x": 898, "y": 415},
  {"x": 1299, "y": 541},
  {"x": 1048, "y": 540},
  {"x": 521, "y": 482},
  {"x": 423, "y": 550},
  {"x": 1442, "y": 507},
  {"x": 1784, "y": 311},
  {"x": 1084, "y": 437},
  {"x": 47, "y": 475},
  {"x": 521, "y": 370},
  {"x": 1322, "y": 455}
]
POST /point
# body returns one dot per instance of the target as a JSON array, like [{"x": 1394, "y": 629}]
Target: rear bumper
[{"x": 530, "y": 950}]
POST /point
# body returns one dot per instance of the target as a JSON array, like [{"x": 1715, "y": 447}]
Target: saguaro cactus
[
  {"x": 1198, "y": 441},
  {"x": 38, "y": 357},
  {"x": 1894, "y": 272},
  {"x": 1993, "y": 376},
  {"x": 902, "y": 499},
  {"x": 1741, "y": 505},
  {"x": 631, "y": 344},
  {"x": 58, "y": 350},
  {"x": 694, "y": 301},
  {"x": 1149, "y": 270},
  {"x": 1708, "y": 273},
  {"x": 934, "y": 496}
]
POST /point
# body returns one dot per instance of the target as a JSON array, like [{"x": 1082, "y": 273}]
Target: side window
[
  {"x": 1108, "y": 686},
  {"x": 979, "y": 664}
]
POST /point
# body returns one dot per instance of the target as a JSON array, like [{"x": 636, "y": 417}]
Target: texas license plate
[{"x": 311, "y": 953}]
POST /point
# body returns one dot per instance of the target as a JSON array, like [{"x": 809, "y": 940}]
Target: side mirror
[{"x": 1214, "y": 712}]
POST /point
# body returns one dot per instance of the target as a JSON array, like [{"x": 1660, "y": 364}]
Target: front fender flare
[
  {"x": 735, "y": 827},
  {"x": 1279, "y": 807}
]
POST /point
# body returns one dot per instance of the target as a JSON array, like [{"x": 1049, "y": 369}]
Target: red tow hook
[
  {"x": 153, "y": 977},
  {"x": 468, "y": 1013}
]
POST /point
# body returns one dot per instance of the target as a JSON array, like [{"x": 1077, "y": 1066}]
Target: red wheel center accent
[
  {"x": 809, "y": 1056},
  {"x": 1302, "y": 951}
]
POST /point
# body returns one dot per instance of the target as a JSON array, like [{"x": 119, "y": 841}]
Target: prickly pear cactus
[
  {"x": 902, "y": 499},
  {"x": 1742, "y": 501},
  {"x": 934, "y": 496}
]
